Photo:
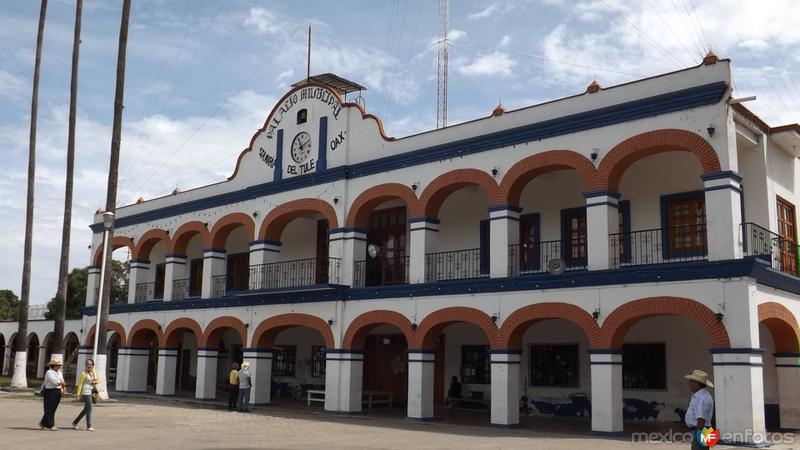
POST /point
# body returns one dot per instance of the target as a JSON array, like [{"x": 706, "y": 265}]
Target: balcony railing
[
  {"x": 218, "y": 285},
  {"x": 455, "y": 265},
  {"x": 380, "y": 271},
  {"x": 779, "y": 251},
  {"x": 296, "y": 273},
  {"x": 658, "y": 245},
  {"x": 144, "y": 291},
  {"x": 180, "y": 289},
  {"x": 534, "y": 257}
]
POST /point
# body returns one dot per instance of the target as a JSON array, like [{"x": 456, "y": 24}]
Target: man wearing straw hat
[
  {"x": 701, "y": 406},
  {"x": 53, "y": 387}
]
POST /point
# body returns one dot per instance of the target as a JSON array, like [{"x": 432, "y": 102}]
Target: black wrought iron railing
[
  {"x": 455, "y": 265},
  {"x": 780, "y": 252},
  {"x": 144, "y": 291},
  {"x": 380, "y": 271},
  {"x": 218, "y": 285},
  {"x": 295, "y": 273},
  {"x": 659, "y": 245},
  {"x": 180, "y": 289},
  {"x": 534, "y": 257}
]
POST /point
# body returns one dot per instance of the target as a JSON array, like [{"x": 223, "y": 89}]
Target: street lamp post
[{"x": 100, "y": 366}]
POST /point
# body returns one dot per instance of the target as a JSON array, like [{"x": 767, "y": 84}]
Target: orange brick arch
[
  {"x": 148, "y": 241},
  {"x": 136, "y": 337},
  {"x": 627, "y": 152},
  {"x": 278, "y": 218},
  {"x": 524, "y": 171},
  {"x": 269, "y": 329},
  {"x": 367, "y": 201},
  {"x": 617, "y": 324},
  {"x": 174, "y": 329},
  {"x": 782, "y": 325},
  {"x": 116, "y": 242},
  {"x": 112, "y": 326},
  {"x": 442, "y": 186},
  {"x": 218, "y": 326},
  {"x": 185, "y": 233},
  {"x": 225, "y": 225},
  {"x": 359, "y": 328},
  {"x": 515, "y": 325},
  {"x": 433, "y": 324}
]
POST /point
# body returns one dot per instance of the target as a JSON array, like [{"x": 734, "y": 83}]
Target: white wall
[{"x": 460, "y": 217}]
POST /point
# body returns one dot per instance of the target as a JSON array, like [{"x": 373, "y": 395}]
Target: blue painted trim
[
  {"x": 623, "y": 112},
  {"x": 215, "y": 250},
  {"x": 139, "y": 261},
  {"x": 513, "y": 208},
  {"x": 174, "y": 255},
  {"x": 484, "y": 231},
  {"x": 605, "y": 363},
  {"x": 420, "y": 350},
  {"x": 719, "y": 188},
  {"x": 278, "y": 157},
  {"x": 786, "y": 355},
  {"x": 502, "y": 351},
  {"x": 421, "y": 219},
  {"x": 322, "y": 160},
  {"x": 613, "y": 205},
  {"x": 515, "y": 219},
  {"x": 347, "y": 230},
  {"x": 601, "y": 193},
  {"x": 625, "y": 210},
  {"x": 665, "y": 201},
  {"x": 722, "y": 175},
  {"x": 344, "y": 350},
  {"x": 564, "y": 213},
  {"x": 167, "y": 348},
  {"x": 604, "y": 351},
  {"x": 505, "y": 425},
  {"x": 737, "y": 363},
  {"x": 737, "y": 351},
  {"x": 266, "y": 242},
  {"x": 257, "y": 349},
  {"x": 792, "y": 366}
]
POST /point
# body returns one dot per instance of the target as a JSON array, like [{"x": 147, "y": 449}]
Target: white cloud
[
  {"x": 494, "y": 63},
  {"x": 485, "y": 12},
  {"x": 263, "y": 21},
  {"x": 753, "y": 45},
  {"x": 505, "y": 41},
  {"x": 11, "y": 86}
]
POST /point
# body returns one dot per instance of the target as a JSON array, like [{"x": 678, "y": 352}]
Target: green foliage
[
  {"x": 76, "y": 290},
  {"x": 9, "y": 305}
]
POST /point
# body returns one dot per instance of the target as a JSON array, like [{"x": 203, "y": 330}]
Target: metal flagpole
[{"x": 108, "y": 220}]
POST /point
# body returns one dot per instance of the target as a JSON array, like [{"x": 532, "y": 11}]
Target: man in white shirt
[{"x": 701, "y": 407}]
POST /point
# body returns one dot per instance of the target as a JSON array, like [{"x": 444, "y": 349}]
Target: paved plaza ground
[{"x": 144, "y": 423}]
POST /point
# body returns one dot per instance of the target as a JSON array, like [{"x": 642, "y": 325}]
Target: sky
[{"x": 202, "y": 76}]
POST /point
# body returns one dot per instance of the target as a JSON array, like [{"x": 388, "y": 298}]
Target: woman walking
[
  {"x": 84, "y": 391},
  {"x": 53, "y": 388}
]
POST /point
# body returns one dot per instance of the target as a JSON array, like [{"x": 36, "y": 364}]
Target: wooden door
[
  {"x": 238, "y": 272},
  {"x": 529, "y": 242},
  {"x": 386, "y": 365},
  {"x": 575, "y": 237},
  {"x": 687, "y": 227},
  {"x": 321, "y": 271},
  {"x": 158, "y": 290},
  {"x": 787, "y": 229},
  {"x": 387, "y": 230},
  {"x": 195, "y": 277}
]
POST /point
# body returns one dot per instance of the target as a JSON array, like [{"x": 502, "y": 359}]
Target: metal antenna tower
[{"x": 441, "y": 84}]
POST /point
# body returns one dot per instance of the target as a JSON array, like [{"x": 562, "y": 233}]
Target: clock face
[{"x": 301, "y": 147}]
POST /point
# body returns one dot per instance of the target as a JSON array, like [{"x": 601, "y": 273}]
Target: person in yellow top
[
  {"x": 84, "y": 391},
  {"x": 233, "y": 380}
]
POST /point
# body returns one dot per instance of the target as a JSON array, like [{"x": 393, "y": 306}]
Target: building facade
[{"x": 573, "y": 258}]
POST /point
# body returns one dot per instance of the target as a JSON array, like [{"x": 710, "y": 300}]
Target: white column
[
  {"x": 723, "y": 215},
  {"x": 132, "y": 369},
  {"x": 7, "y": 363},
  {"x": 503, "y": 232},
  {"x": 606, "y": 391},
  {"x": 262, "y": 252},
  {"x": 206, "y": 388},
  {"x": 788, "y": 368},
  {"x": 343, "y": 377},
  {"x": 420, "y": 384},
  {"x": 92, "y": 285},
  {"x": 139, "y": 269},
  {"x": 41, "y": 363},
  {"x": 19, "y": 379},
  {"x": 174, "y": 269},
  {"x": 167, "y": 365},
  {"x": 260, "y": 360},
  {"x": 739, "y": 395},
  {"x": 602, "y": 220},
  {"x": 351, "y": 244},
  {"x": 505, "y": 387},
  {"x": 214, "y": 264},
  {"x": 424, "y": 231},
  {"x": 84, "y": 353}
]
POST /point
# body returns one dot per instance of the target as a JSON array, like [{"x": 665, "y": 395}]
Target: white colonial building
[{"x": 573, "y": 258}]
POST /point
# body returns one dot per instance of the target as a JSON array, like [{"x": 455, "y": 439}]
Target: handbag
[{"x": 95, "y": 392}]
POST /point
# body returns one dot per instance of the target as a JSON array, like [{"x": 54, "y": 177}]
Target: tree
[
  {"x": 19, "y": 378},
  {"x": 60, "y": 303},
  {"x": 9, "y": 305},
  {"x": 76, "y": 291}
]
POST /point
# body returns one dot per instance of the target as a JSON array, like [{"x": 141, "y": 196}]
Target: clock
[{"x": 301, "y": 147}]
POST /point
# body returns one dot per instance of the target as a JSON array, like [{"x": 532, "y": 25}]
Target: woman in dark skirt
[{"x": 53, "y": 388}]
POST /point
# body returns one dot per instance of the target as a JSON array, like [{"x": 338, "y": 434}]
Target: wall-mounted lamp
[
  {"x": 414, "y": 187},
  {"x": 596, "y": 314},
  {"x": 494, "y": 171},
  {"x": 711, "y": 130},
  {"x": 330, "y": 321},
  {"x": 159, "y": 326},
  {"x": 255, "y": 213},
  {"x": 720, "y": 316},
  {"x": 336, "y": 200},
  {"x": 414, "y": 326},
  {"x": 205, "y": 224},
  {"x": 494, "y": 318},
  {"x": 247, "y": 325},
  {"x": 594, "y": 155}
]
